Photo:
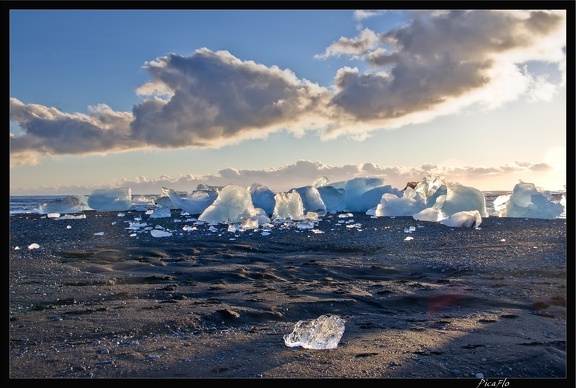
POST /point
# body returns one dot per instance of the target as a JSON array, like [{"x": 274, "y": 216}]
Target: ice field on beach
[{"x": 432, "y": 199}]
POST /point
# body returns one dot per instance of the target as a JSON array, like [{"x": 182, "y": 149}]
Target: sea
[{"x": 30, "y": 203}]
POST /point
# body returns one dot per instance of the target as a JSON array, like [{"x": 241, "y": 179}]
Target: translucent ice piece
[{"x": 323, "y": 332}]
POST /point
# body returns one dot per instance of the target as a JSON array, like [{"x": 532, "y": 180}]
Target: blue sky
[{"x": 173, "y": 98}]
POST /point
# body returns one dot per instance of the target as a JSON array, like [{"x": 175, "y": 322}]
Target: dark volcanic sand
[{"x": 451, "y": 303}]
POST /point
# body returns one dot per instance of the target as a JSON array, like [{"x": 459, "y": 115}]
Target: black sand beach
[{"x": 450, "y": 303}]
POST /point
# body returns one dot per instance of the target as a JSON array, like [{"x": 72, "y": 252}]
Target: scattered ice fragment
[
  {"x": 161, "y": 212},
  {"x": 68, "y": 227},
  {"x": 99, "y": 234},
  {"x": 409, "y": 238},
  {"x": 72, "y": 217},
  {"x": 135, "y": 225},
  {"x": 467, "y": 219},
  {"x": 160, "y": 233},
  {"x": 321, "y": 333},
  {"x": 305, "y": 225},
  {"x": 33, "y": 246}
]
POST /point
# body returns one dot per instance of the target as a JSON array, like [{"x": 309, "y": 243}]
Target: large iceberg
[
  {"x": 233, "y": 205},
  {"x": 528, "y": 201},
  {"x": 106, "y": 200}
]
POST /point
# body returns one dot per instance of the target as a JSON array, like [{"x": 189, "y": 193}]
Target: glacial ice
[
  {"x": 288, "y": 206},
  {"x": 193, "y": 203},
  {"x": 233, "y": 205},
  {"x": 311, "y": 199},
  {"x": 410, "y": 203},
  {"x": 70, "y": 204},
  {"x": 466, "y": 219},
  {"x": 334, "y": 199},
  {"x": 323, "y": 332},
  {"x": 106, "y": 200},
  {"x": 431, "y": 199},
  {"x": 528, "y": 201},
  {"x": 262, "y": 197},
  {"x": 354, "y": 189}
]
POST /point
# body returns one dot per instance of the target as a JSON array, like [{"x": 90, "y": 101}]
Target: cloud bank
[
  {"x": 303, "y": 173},
  {"x": 437, "y": 63}
]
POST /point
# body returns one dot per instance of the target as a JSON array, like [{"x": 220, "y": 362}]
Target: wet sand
[{"x": 98, "y": 300}]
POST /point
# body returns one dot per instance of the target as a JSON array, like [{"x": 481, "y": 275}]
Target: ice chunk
[
  {"x": 193, "y": 203},
  {"x": 105, "y": 200},
  {"x": 333, "y": 198},
  {"x": 324, "y": 332},
  {"x": 500, "y": 205},
  {"x": 161, "y": 212},
  {"x": 429, "y": 186},
  {"x": 233, "y": 205},
  {"x": 462, "y": 198},
  {"x": 430, "y": 214},
  {"x": 262, "y": 197},
  {"x": 165, "y": 201},
  {"x": 528, "y": 201},
  {"x": 160, "y": 233},
  {"x": 311, "y": 199},
  {"x": 288, "y": 206},
  {"x": 372, "y": 197},
  {"x": 354, "y": 188},
  {"x": 410, "y": 203},
  {"x": 466, "y": 219},
  {"x": 70, "y": 204}
]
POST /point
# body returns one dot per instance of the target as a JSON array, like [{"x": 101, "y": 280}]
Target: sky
[{"x": 152, "y": 98}]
